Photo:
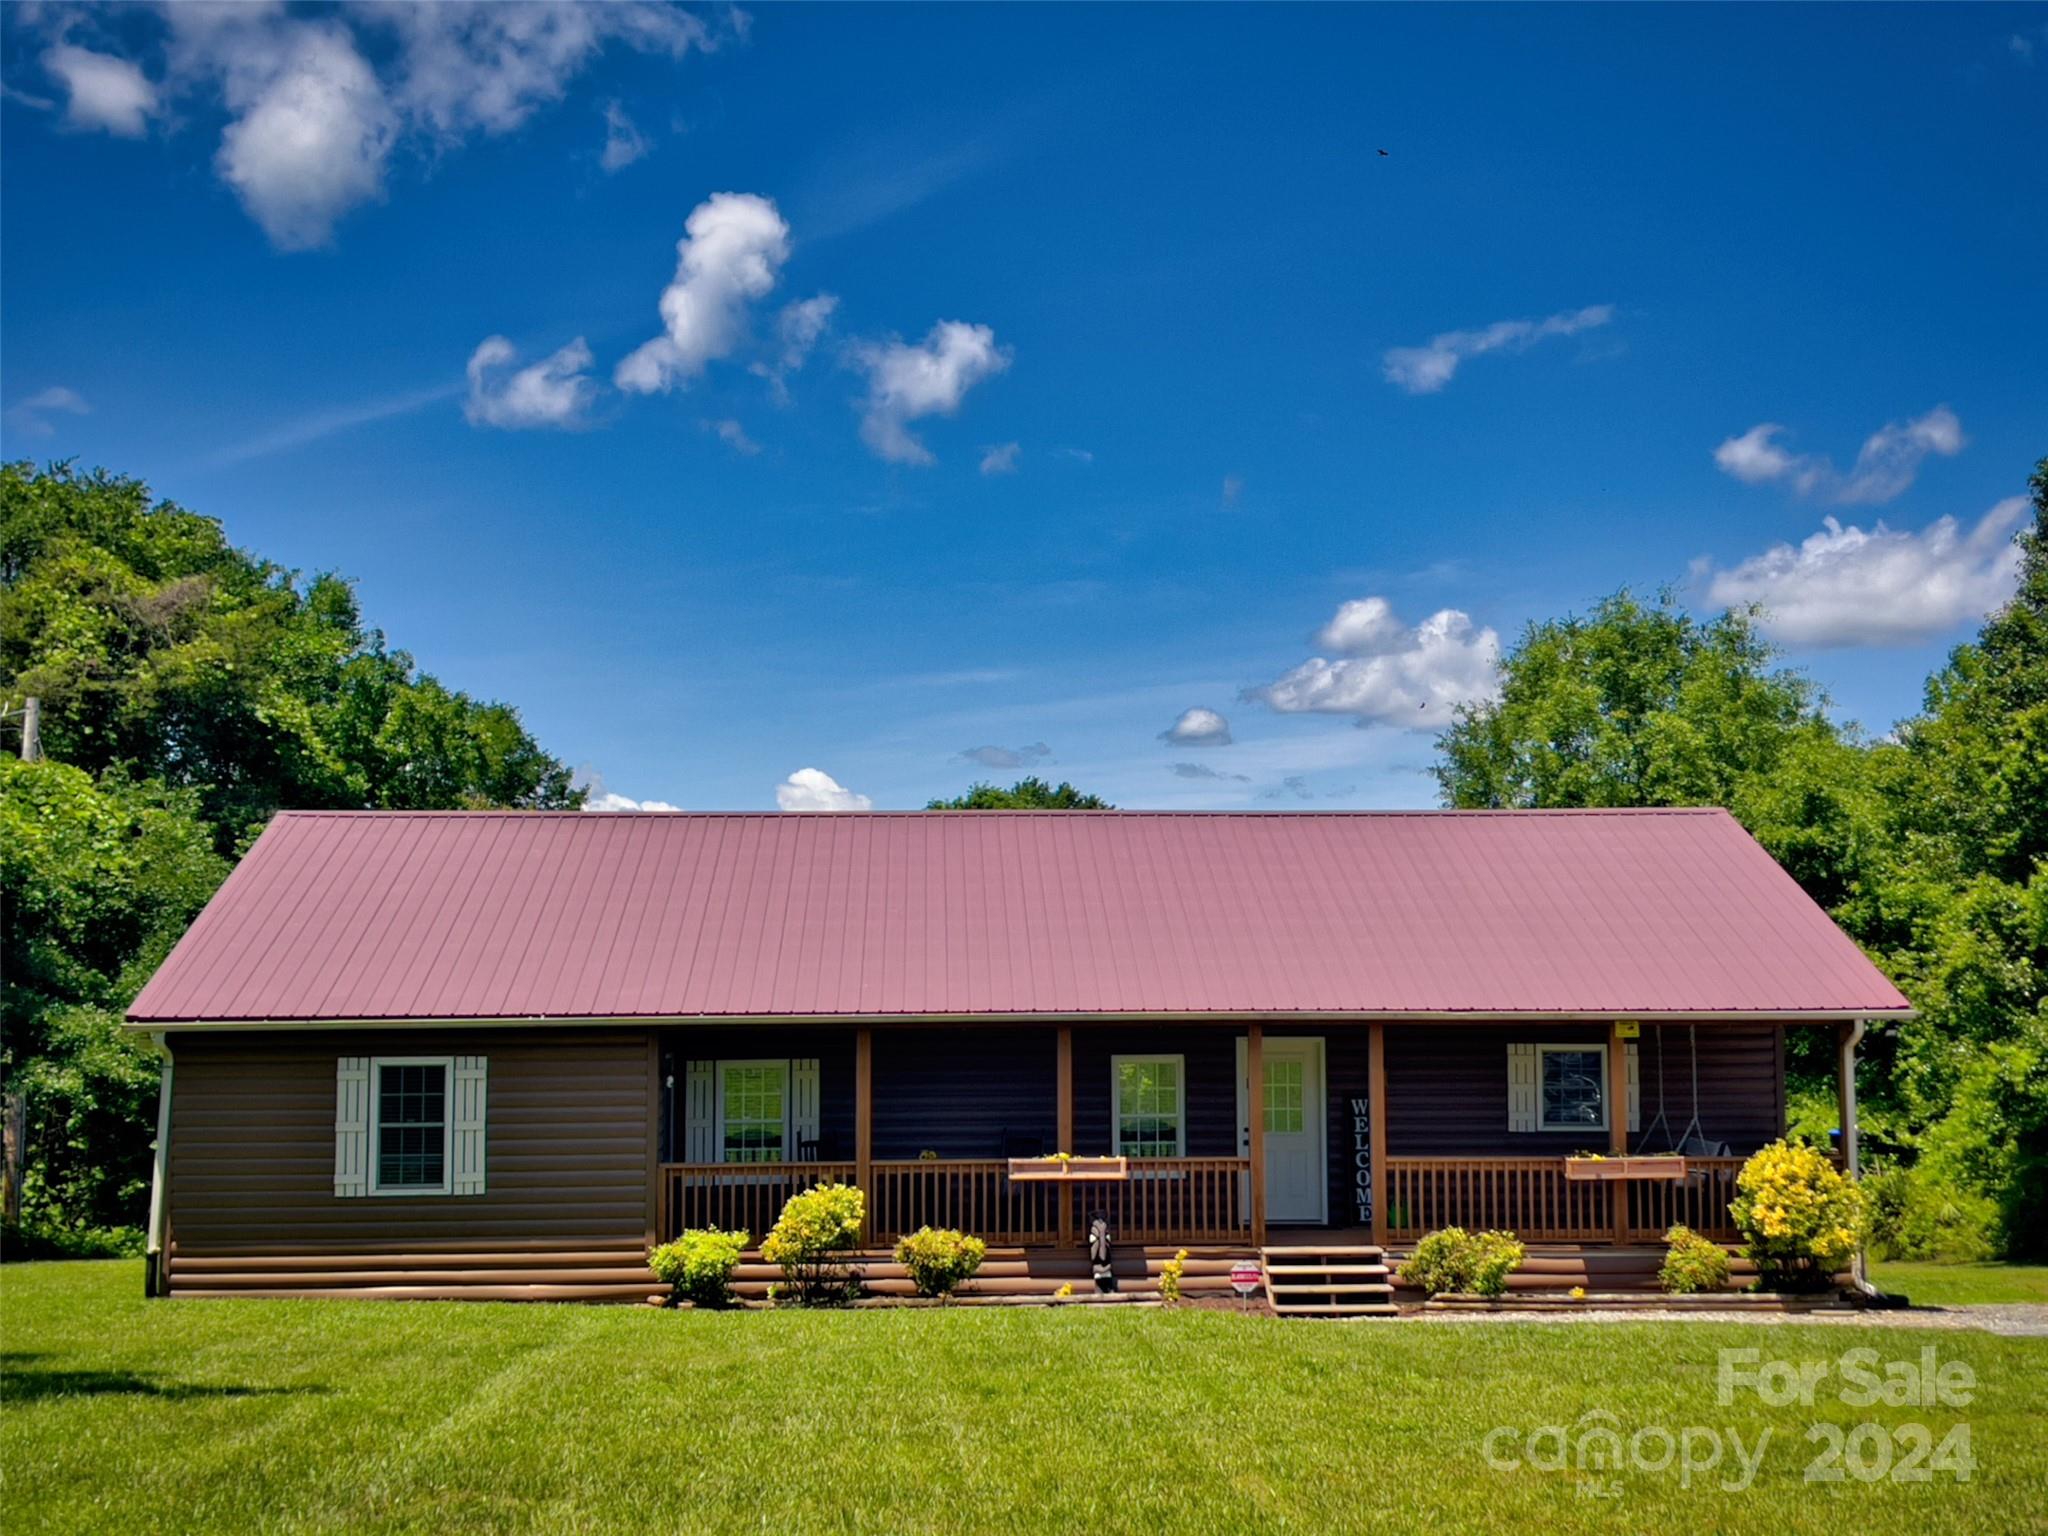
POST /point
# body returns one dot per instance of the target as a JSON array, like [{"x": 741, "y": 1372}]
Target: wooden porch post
[
  {"x": 1617, "y": 1123},
  {"x": 1376, "y": 1128},
  {"x": 864, "y": 1124},
  {"x": 1255, "y": 1124},
  {"x": 1063, "y": 1116}
]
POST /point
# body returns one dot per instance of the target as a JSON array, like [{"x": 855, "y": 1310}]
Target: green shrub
[
  {"x": 1915, "y": 1216},
  {"x": 1171, "y": 1273},
  {"x": 1801, "y": 1221},
  {"x": 1457, "y": 1262},
  {"x": 1692, "y": 1263},
  {"x": 939, "y": 1258},
  {"x": 812, "y": 1237},
  {"x": 38, "y": 1239},
  {"x": 698, "y": 1265}
]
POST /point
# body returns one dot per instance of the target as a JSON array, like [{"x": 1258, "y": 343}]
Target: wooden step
[{"x": 1340, "y": 1309}]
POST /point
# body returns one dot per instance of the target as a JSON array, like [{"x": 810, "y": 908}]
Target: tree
[
  {"x": 1032, "y": 794},
  {"x": 159, "y": 648}
]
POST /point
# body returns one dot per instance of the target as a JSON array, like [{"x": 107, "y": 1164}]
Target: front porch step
[{"x": 1327, "y": 1280}]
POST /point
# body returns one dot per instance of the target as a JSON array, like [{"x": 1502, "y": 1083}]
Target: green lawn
[
  {"x": 1962, "y": 1285},
  {"x": 248, "y": 1417}
]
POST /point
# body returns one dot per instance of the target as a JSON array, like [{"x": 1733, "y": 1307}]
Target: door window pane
[{"x": 1286, "y": 1103}]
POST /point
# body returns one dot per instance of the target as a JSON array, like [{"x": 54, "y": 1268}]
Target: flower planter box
[
  {"x": 1073, "y": 1170},
  {"x": 1609, "y": 1170}
]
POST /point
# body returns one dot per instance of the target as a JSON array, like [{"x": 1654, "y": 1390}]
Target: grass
[
  {"x": 278, "y": 1416},
  {"x": 1962, "y": 1285}
]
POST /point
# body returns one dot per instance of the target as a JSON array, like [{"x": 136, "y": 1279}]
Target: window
[
  {"x": 1573, "y": 1084},
  {"x": 410, "y": 1119},
  {"x": 1285, "y": 1095},
  {"x": 751, "y": 1100},
  {"x": 1150, "y": 1105}
]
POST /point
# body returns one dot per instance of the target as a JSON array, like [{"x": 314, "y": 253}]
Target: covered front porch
[{"x": 1376, "y": 1131}]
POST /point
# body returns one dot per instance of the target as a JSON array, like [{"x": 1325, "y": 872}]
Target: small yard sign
[{"x": 1245, "y": 1278}]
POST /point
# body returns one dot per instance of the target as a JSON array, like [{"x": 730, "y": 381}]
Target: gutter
[
  {"x": 1845, "y": 1064},
  {"x": 155, "y": 1282}
]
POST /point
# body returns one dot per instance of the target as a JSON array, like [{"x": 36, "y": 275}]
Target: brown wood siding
[
  {"x": 1447, "y": 1088},
  {"x": 251, "y": 1177}
]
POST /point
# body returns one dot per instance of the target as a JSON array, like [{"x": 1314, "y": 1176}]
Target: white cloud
[
  {"x": 1387, "y": 673},
  {"x": 597, "y": 798},
  {"x": 623, "y": 142},
  {"x": 732, "y": 250},
  {"x": 1075, "y": 455},
  {"x": 733, "y": 435},
  {"x": 908, "y": 382},
  {"x": 1008, "y": 757},
  {"x": 1198, "y": 727},
  {"x": 1887, "y": 586},
  {"x": 326, "y": 422},
  {"x": 1204, "y": 771},
  {"x": 1000, "y": 459},
  {"x": 554, "y": 392},
  {"x": 1885, "y": 466},
  {"x": 102, "y": 91},
  {"x": 797, "y": 328},
  {"x": 31, "y": 416},
  {"x": 1426, "y": 369},
  {"x": 311, "y": 137},
  {"x": 811, "y": 789},
  {"x": 1233, "y": 490},
  {"x": 317, "y": 103}
]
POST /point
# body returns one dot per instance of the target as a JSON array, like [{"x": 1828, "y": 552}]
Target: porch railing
[
  {"x": 1165, "y": 1200},
  {"x": 1531, "y": 1197}
]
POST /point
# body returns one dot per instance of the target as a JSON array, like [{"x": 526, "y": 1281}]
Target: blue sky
[{"x": 1147, "y": 384}]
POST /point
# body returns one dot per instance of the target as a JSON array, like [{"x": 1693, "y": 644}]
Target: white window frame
[
  {"x": 1599, "y": 1047},
  {"x": 1116, "y": 1083},
  {"x": 719, "y": 1069},
  {"x": 376, "y": 1160}
]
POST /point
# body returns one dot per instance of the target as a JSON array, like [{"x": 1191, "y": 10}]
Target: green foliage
[
  {"x": 1800, "y": 1219},
  {"x": 939, "y": 1258},
  {"x": 1691, "y": 1263},
  {"x": 811, "y": 1238},
  {"x": 1171, "y": 1273},
  {"x": 1456, "y": 1262},
  {"x": 38, "y": 1240},
  {"x": 1914, "y": 1215},
  {"x": 189, "y": 689},
  {"x": 1032, "y": 794},
  {"x": 698, "y": 1266}
]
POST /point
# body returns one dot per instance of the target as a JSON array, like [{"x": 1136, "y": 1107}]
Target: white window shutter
[
  {"x": 1521, "y": 1088},
  {"x": 351, "y": 1126},
  {"x": 1632, "y": 1050},
  {"x": 803, "y": 1104},
  {"x": 700, "y": 1114},
  {"x": 471, "y": 1096}
]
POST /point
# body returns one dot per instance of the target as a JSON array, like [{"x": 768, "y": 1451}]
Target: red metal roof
[{"x": 491, "y": 915}]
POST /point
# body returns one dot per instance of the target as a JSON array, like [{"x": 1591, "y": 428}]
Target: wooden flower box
[
  {"x": 1071, "y": 1170},
  {"x": 1609, "y": 1170}
]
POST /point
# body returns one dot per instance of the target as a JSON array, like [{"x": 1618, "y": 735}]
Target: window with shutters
[
  {"x": 1151, "y": 1118},
  {"x": 410, "y": 1124},
  {"x": 1572, "y": 1087}
]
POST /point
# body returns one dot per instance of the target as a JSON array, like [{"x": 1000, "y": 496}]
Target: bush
[
  {"x": 1915, "y": 1216},
  {"x": 1800, "y": 1219},
  {"x": 35, "y": 1239},
  {"x": 811, "y": 1237},
  {"x": 1463, "y": 1263},
  {"x": 1171, "y": 1273},
  {"x": 698, "y": 1265},
  {"x": 1692, "y": 1263},
  {"x": 939, "y": 1258}
]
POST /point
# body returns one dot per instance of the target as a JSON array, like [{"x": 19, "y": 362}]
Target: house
[{"x": 501, "y": 1054}]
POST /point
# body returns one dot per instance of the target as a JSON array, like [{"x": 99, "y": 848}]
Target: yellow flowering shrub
[
  {"x": 939, "y": 1258},
  {"x": 1171, "y": 1273},
  {"x": 1800, "y": 1219},
  {"x": 811, "y": 1238}
]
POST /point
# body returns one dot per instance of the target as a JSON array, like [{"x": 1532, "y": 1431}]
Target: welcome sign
[{"x": 1361, "y": 1160}]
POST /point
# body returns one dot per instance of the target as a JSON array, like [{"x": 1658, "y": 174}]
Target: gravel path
[{"x": 2028, "y": 1320}]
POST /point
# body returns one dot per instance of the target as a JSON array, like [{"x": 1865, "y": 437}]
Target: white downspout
[
  {"x": 155, "y": 1282},
  {"x": 1859, "y": 1269}
]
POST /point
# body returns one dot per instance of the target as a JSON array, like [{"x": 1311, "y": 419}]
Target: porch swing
[{"x": 1692, "y": 1141}]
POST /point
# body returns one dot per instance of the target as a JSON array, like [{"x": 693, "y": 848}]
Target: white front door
[{"x": 1296, "y": 1124}]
